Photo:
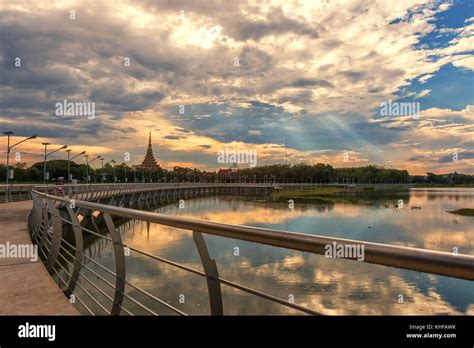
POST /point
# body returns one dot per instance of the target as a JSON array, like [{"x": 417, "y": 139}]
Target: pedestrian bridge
[{"x": 57, "y": 224}]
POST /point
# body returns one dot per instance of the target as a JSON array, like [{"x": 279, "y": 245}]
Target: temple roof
[{"x": 149, "y": 161}]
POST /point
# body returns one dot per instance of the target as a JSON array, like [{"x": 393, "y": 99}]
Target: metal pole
[
  {"x": 68, "y": 166},
  {"x": 102, "y": 171},
  {"x": 8, "y": 133},
  {"x": 87, "y": 169},
  {"x": 44, "y": 163},
  {"x": 8, "y": 166}
]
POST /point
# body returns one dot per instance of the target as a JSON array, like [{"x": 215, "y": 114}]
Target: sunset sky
[{"x": 246, "y": 75}]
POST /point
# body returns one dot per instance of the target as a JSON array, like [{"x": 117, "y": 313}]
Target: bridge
[
  {"x": 59, "y": 221},
  {"x": 16, "y": 192}
]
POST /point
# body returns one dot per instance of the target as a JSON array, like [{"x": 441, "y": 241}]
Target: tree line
[{"x": 297, "y": 173}]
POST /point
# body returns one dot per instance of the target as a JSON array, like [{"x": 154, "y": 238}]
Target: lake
[{"x": 330, "y": 286}]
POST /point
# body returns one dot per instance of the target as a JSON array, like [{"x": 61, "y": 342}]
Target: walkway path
[{"x": 26, "y": 288}]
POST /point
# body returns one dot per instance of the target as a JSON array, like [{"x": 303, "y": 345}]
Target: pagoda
[{"x": 149, "y": 161}]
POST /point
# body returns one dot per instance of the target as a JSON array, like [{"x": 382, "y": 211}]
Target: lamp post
[
  {"x": 8, "y": 133},
  {"x": 46, "y": 157},
  {"x": 113, "y": 167},
  {"x": 102, "y": 170},
  {"x": 69, "y": 163},
  {"x": 87, "y": 166}
]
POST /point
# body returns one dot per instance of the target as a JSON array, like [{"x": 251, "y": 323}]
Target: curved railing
[{"x": 51, "y": 214}]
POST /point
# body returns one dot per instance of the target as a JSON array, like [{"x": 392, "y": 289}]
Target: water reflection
[{"x": 328, "y": 285}]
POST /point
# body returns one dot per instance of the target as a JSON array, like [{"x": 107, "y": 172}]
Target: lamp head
[
  {"x": 33, "y": 137},
  {"x": 8, "y": 132}
]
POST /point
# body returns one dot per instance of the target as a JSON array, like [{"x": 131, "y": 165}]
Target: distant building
[
  {"x": 225, "y": 171},
  {"x": 149, "y": 161},
  {"x": 233, "y": 169}
]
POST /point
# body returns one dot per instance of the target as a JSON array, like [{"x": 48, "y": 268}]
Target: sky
[{"x": 295, "y": 81}]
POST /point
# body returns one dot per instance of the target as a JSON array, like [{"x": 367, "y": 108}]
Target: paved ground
[{"x": 26, "y": 287}]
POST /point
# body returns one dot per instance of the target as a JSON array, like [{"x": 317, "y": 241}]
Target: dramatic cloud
[{"x": 204, "y": 75}]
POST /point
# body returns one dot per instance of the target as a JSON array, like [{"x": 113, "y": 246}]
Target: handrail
[
  {"x": 46, "y": 225},
  {"x": 416, "y": 259}
]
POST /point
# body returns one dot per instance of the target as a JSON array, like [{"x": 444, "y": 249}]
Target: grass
[
  {"x": 463, "y": 211},
  {"x": 353, "y": 195}
]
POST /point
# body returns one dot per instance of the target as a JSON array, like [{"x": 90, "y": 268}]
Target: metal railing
[
  {"x": 52, "y": 214},
  {"x": 15, "y": 193}
]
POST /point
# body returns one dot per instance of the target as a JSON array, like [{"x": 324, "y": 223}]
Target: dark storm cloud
[
  {"x": 66, "y": 59},
  {"x": 461, "y": 156},
  {"x": 376, "y": 89},
  {"x": 307, "y": 82},
  {"x": 119, "y": 99},
  {"x": 305, "y": 96},
  {"x": 354, "y": 76},
  {"x": 174, "y": 137},
  {"x": 64, "y": 128},
  {"x": 179, "y": 129},
  {"x": 276, "y": 23}
]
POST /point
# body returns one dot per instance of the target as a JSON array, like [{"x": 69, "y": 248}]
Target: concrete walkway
[{"x": 26, "y": 287}]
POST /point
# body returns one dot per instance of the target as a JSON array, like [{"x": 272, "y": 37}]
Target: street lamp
[
  {"x": 113, "y": 167},
  {"x": 87, "y": 166},
  {"x": 69, "y": 163},
  {"x": 8, "y": 133},
  {"x": 102, "y": 170},
  {"x": 46, "y": 157}
]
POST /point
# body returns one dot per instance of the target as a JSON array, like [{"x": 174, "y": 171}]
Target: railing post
[
  {"x": 79, "y": 244},
  {"x": 56, "y": 238},
  {"x": 45, "y": 221},
  {"x": 119, "y": 265},
  {"x": 36, "y": 218},
  {"x": 212, "y": 275}
]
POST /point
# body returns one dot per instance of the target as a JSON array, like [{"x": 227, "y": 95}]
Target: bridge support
[
  {"x": 212, "y": 275},
  {"x": 56, "y": 238},
  {"x": 79, "y": 244},
  {"x": 119, "y": 265}
]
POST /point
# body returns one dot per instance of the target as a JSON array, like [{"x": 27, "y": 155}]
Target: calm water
[{"x": 331, "y": 286}]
